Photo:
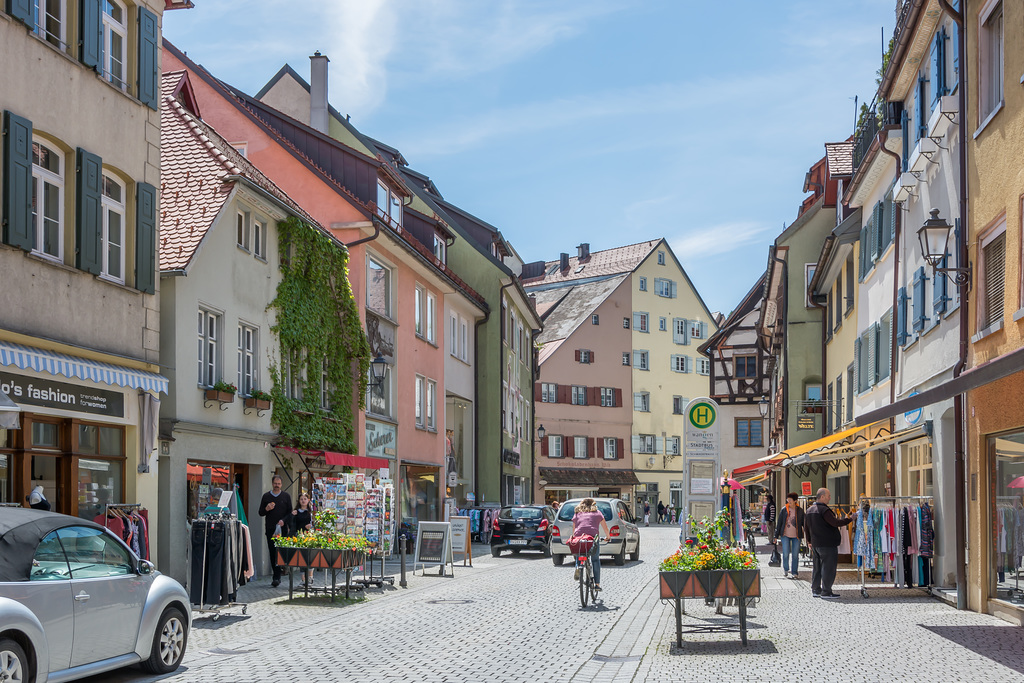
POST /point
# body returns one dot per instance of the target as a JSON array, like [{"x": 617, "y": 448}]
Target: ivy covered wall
[{"x": 320, "y": 337}]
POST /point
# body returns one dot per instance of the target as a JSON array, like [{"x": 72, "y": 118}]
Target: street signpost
[{"x": 702, "y": 467}]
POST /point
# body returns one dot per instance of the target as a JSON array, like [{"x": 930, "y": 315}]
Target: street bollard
[{"x": 401, "y": 544}]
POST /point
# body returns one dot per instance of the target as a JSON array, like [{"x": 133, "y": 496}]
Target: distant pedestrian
[
  {"x": 302, "y": 521},
  {"x": 647, "y": 513},
  {"x": 768, "y": 528},
  {"x": 555, "y": 504},
  {"x": 275, "y": 506},
  {"x": 661, "y": 512},
  {"x": 673, "y": 516},
  {"x": 790, "y": 530},
  {"x": 822, "y": 529}
]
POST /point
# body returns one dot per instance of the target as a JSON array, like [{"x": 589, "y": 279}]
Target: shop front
[
  {"x": 460, "y": 465},
  {"x": 564, "y": 483}
]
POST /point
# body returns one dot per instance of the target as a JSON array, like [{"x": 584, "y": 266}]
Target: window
[
  {"x": 93, "y": 554},
  {"x": 850, "y": 379},
  {"x": 837, "y": 408},
  {"x": 379, "y": 399},
  {"x": 625, "y": 357},
  {"x": 48, "y": 200},
  {"x": 554, "y": 446},
  {"x": 642, "y": 402},
  {"x": 680, "y": 331},
  {"x": 585, "y": 356},
  {"x": 378, "y": 286},
  {"x": 703, "y": 366},
  {"x": 579, "y": 447},
  {"x": 625, "y": 323},
  {"x": 678, "y": 403},
  {"x": 464, "y": 339},
  {"x": 661, "y": 258},
  {"x": 242, "y": 229},
  {"x": 389, "y": 204},
  {"x": 209, "y": 336},
  {"x": 431, "y": 309},
  {"x": 113, "y": 229},
  {"x": 748, "y": 432},
  {"x": 607, "y": 397},
  {"x": 672, "y": 445},
  {"x": 809, "y": 269},
  {"x": 418, "y": 302},
  {"x": 745, "y": 367},
  {"x": 640, "y": 322},
  {"x": 993, "y": 277},
  {"x": 849, "y": 284},
  {"x": 293, "y": 375},
  {"x": 595, "y": 319},
  {"x": 326, "y": 388},
  {"x": 679, "y": 363},
  {"x": 640, "y": 360},
  {"x": 610, "y": 451},
  {"x": 247, "y": 374},
  {"x": 918, "y": 298},
  {"x": 662, "y": 324},
  {"x": 643, "y": 443},
  {"x": 420, "y": 400},
  {"x": 115, "y": 42},
  {"x": 548, "y": 392},
  {"x": 698, "y": 330},
  {"x": 432, "y": 405},
  {"x": 643, "y": 284},
  {"x": 664, "y": 287},
  {"x": 49, "y": 21},
  {"x": 440, "y": 249},
  {"x": 990, "y": 88},
  {"x": 251, "y": 233},
  {"x": 259, "y": 239},
  {"x": 579, "y": 396},
  {"x": 829, "y": 398},
  {"x": 453, "y": 338}
]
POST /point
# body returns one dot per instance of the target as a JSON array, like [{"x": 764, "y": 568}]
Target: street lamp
[
  {"x": 934, "y": 238},
  {"x": 541, "y": 432},
  {"x": 762, "y": 406},
  {"x": 378, "y": 369}
]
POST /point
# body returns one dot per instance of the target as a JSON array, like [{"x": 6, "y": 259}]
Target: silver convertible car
[{"x": 75, "y": 601}]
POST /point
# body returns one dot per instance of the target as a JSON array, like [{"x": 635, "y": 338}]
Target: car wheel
[
  {"x": 495, "y": 552},
  {"x": 635, "y": 555},
  {"x": 620, "y": 558},
  {"x": 557, "y": 560},
  {"x": 13, "y": 662},
  {"x": 169, "y": 642},
  {"x": 546, "y": 550}
]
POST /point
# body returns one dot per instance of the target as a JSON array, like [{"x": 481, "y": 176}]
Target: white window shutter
[
  {"x": 659, "y": 445},
  {"x": 703, "y": 330},
  {"x": 636, "y": 444},
  {"x": 686, "y": 331},
  {"x": 677, "y": 335},
  {"x": 673, "y": 284}
]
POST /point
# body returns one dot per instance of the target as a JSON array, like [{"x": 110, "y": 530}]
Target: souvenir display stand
[{"x": 379, "y": 529}]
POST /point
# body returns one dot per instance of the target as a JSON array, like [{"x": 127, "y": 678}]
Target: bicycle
[{"x": 581, "y": 555}]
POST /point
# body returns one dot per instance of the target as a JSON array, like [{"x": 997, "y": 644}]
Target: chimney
[
  {"x": 318, "y": 92},
  {"x": 583, "y": 251},
  {"x": 563, "y": 261}
]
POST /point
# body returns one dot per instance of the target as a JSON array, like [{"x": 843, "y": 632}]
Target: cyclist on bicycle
[{"x": 588, "y": 521}]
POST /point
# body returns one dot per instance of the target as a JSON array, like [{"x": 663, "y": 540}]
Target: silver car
[
  {"x": 75, "y": 601},
  {"x": 623, "y": 533}
]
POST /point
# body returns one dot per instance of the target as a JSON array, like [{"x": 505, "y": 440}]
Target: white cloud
[
  {"x": 361, "y": 35},
  {"x": 718, "y": 239}
]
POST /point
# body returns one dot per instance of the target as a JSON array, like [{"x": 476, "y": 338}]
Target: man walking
[
  {"x": 275, "y": 506},
  {"x": 661, "y": 512},
  {"x": 822, "y": 529}
]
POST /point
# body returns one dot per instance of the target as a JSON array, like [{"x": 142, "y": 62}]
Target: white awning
[{"x": 30, "y": 358}]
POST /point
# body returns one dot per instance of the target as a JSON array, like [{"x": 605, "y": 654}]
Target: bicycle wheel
[
  {"x": 584, "y": 583},
  {"x": 592, "y": 584}
]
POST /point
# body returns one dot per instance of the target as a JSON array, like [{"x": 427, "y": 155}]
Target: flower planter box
[
  {"x": 716, "y": 583},
  {"x": 257, "y": 403},
  {"x": 222, "y": 396},
  {"x": 814, "y": 409}
]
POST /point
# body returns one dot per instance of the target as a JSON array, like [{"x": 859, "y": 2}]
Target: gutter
[{"x": 883, "y": 135}]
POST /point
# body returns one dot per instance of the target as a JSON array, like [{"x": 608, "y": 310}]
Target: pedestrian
[
  {"x": 822, "y": 529},
  {"x": 673, "y": 516},
  {"x": 647, "y": 513},
  {"x": 302, "y": 520},
  {"x": 790, "y": 530},
  {"x": 768, "y": 528},
  {"x": 275, "y": 506},
  {"x": 554, "y": 505},
  {"x": 661, "y": 512},
  {"x": 589, "y": 523}
]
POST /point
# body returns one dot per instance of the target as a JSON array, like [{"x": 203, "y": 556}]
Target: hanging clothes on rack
[{"x": 221, "y": 557}]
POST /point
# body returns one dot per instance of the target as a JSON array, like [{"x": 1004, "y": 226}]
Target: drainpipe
[
  {"x": 785, "y": 359},
  {"x": 376, "y": 233},
  {"x": 476, "y": 399},
  {"x": 534, "y": 375}
]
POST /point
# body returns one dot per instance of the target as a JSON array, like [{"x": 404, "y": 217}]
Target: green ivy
[{"x": 317, "y": 319}]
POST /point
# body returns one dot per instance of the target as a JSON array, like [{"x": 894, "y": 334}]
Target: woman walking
[{"x": 790, "y": 530}]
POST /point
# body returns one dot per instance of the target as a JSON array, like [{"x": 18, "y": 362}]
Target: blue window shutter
[
  {"x": 888, "y": 211},
  {"x": 878, "y": 229},
  {"x": 18, "y": 230},
  {"x": 938, "y": 68},
  {"x": 922, "y": 107},
  {"x": 23, "y": 11},
  {"x": 856, "y": 364},
  {"x": 905, "y": 124},
  {"x": 863, "y": 252},
  {"x": 884, "y": 345},
  {"x": 901, "y": 317},
  {"x": 939, "y": 288},
  {"x": 149, "y": 74},
  {"x": 145, "y": 238},
  {"x": 920, "y": 280},
  {"x": 90, "y": 43},
  {"x": 673, "y": 284},
  {"x": 954, "y": 39},
  {"x": 88, "y": 213}
]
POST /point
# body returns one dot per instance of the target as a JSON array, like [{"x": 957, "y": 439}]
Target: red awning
[
  {"x": 749, "y": 468},
  {"x": 344, "y": 459}
]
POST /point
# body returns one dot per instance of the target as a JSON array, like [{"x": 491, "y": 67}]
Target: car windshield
[
  {"x": 566, "y": 512},
  {"x": 520, "y": 513}
]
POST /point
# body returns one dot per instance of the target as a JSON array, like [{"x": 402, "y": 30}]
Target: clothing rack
[
  {"x": 893, "y": 500},
  {"x": 1012, "y": 502},
  {"x": 215, "y": 610},
  {"x": 107, "y": 507}
]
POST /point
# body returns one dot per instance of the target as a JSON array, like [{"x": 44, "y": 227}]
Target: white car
[{"x": 623, "y": 533}]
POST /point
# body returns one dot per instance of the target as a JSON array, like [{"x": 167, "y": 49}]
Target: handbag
[
  {"x": 580, "y": 545},
  {"x": 776, "y": 559}
]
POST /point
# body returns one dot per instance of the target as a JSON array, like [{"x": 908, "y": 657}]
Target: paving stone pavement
[{"x": 519, "y": 619}]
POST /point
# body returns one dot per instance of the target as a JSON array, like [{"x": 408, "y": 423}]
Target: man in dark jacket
[
  {"x": 822, "y": 529},
  {"x": 275, "y": 506}
]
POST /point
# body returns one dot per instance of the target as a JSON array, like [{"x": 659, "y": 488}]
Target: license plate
[{"x": 517, "y": 542}]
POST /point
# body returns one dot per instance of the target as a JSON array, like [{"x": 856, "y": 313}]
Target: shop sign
[
  {"x": 805, "y": 488},
  {"x": 510, "y": 457},
  {"x": 33, "y": 391},
  {"x": 805, "y": 422},
  {"x": 913, "y": 416},
  {"x": 702, "y": 428},
  {"x": 380, "y": 439}
]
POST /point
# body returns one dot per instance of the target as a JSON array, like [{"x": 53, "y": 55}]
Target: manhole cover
[
  {"x": 449, "y": 602},
  {"x": 624, "y": 658},
  {"x": 223, "y": 651}
]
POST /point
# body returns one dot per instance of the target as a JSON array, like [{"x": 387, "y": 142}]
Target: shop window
[
  {"x": 45, "y": 435},
  {"x": 99, "y": 482},
  {"x": 48, "y": 200},
  {"x": 113, "y": 229},
  {"x": 419, "y": 495},
  {"x": 5, "y": 472},
  {"x": 916, "y": 476},
  {"x": 100, "y": 440},
  {"x": 1005, "y": 466}
]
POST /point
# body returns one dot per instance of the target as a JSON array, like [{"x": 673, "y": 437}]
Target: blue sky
[{"x": 604, "y": 121}]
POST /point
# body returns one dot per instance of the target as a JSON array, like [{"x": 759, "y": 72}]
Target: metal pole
[{"x": 401, "y": 549}]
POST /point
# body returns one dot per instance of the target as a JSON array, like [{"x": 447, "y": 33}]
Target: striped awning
[{"x": 61, "y": 364}]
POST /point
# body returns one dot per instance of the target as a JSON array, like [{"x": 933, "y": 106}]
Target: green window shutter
[
  {"x": 940, "y": 288},
  {"x": 18, "y": 230},
  {"x": 878, "y": 229},
  {"x": 23, "y": 11},
  {"x": 889, "y": 220},
  {"x": 149, "y": 74},
  {"x": 884, "y": 345},
  {"x": 901, "y": 317},
  {"x": 920, "y": 283},
  {"x": 863, "y": 252},
  {"x": 88, "y": 213},
  {"x": 90, "y": 43},
  {"x": 145, "y": 238},
  {"x": 871, "y": 371}
]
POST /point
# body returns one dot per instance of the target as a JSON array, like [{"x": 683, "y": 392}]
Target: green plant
[
  {"x": 260, "y": 395},
  {"x": 320, "y": 333},
  {"x": 227, "y": 387},
  {"x": 709, "y": 550}
]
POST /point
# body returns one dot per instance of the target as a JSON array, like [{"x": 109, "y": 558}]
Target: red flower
[
  {"x": 689, "y": 541},
  {"x": 703, "y": 547}
]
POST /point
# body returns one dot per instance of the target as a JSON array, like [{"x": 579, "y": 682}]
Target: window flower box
[
  {"x": 257, "y": 403},
  {"x": 218, "y": 395}
]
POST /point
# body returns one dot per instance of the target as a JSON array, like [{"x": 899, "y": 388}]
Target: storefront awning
[
  {"x": 9, "y": 412},
  {"x": 819, "y": 444},
  {"x": 755, "y": 479},
  {"x": 567, "y": 476},
  {"x": 750, "y": 469},
  {"x": 343, "y": 459},
  {"x": 40, "y": 360}
]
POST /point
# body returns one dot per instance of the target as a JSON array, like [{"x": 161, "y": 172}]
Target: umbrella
[
  {"x": 1017, "y": 483},
  {"x": 733, "y": 484}
]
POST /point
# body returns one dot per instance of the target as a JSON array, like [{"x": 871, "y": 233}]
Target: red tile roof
[{"x": 597, "y": 264}]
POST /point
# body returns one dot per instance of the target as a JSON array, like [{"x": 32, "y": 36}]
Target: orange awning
[{"x": 830, "y": 441}]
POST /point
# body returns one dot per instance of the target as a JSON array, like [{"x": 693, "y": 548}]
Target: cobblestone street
[{"x": 519, "y": 619}]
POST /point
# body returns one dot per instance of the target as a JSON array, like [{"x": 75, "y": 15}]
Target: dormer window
[
  {"x": 389, "y": 203},
  {"x": 440, "y": 249}
]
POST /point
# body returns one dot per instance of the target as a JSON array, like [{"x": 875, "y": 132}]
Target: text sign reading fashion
[
  {"x": 702, "y": 428},
  {"x": 33, "y": 391}
]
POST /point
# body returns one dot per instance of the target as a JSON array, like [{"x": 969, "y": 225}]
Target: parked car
[
  {"x": 522, "y": 527},
  {"x": 75, "y": 601},
  {"x": 623, "y": 533}
]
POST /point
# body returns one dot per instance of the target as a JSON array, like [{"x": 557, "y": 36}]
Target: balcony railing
[{"x": 883, "y": 114}]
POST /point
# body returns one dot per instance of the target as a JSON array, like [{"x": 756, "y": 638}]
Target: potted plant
[
  {"x": 260, "y": 400},
  {"x": 221, "y": 391}
]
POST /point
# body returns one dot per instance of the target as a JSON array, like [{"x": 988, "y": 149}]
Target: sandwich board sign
[
  {"x": 434, "y": 546},
  {"x": 460, "y": 539}
]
